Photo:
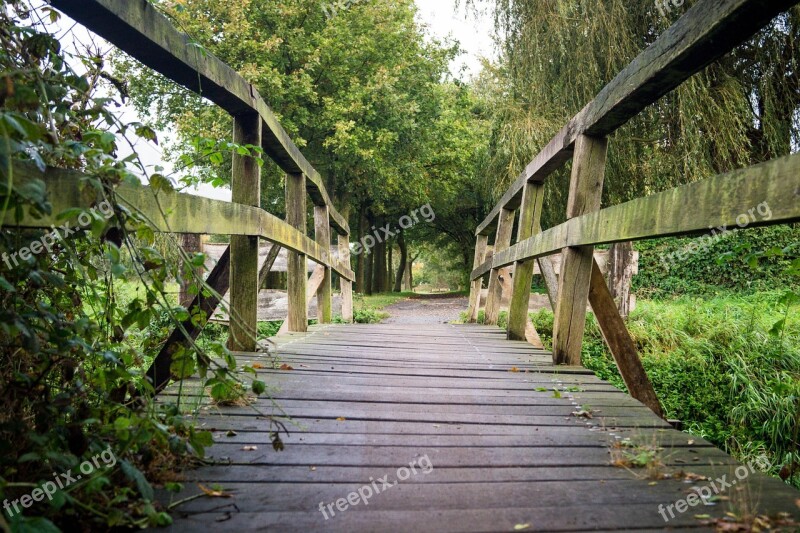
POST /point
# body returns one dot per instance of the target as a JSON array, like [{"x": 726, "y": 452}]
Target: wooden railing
[
  {"x": 707, "y": 31},
  {"x": 136, "y": 27}
]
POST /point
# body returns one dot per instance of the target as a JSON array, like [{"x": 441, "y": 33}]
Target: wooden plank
[
  {"x": 620, "y": 343},
  {"x": 773, "y": 187},
  {"x": 269, "y": 262},
  {"x": 706, "y": 32},
  {"x": 345, "y": 284},
  {"x": 181, "y": 338},
  {"x": 322, "y": 234},
  {"x": 501, "y": 242},
  {"x": 296, "y": 214},
  {"x": 137, "y": 28},
  {"x": 477, "y": 284},
  {"x": 585, "y": 193},
  {"x": 244, "y": 286},
  {"x": 166, "y": 212},
  {"x": 519, "y": 324}
]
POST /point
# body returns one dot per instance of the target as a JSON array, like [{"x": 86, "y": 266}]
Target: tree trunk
[
  {"x": 401, "y": 243},
  {"x": 620, "y": 274},
  {"x": 191, "y": 243},
  {"x": 390, "y": 267},
  {"x": 361, "y": 286},
  {"x": 379, "y": 267}
]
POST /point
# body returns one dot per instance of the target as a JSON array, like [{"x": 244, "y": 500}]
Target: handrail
[
  {"x": 706, "y": 32},
  {"x": 140, "y": 30},
  {"x": 173, "y": 212},
  {"x": 720, "y": 202}
]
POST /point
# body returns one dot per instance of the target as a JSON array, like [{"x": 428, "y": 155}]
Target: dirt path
[{"x": 422, "y": 309}]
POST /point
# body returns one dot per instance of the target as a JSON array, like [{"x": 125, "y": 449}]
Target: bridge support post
[
  {"x": 245, "y": 189},
  {"x": 585, "y": 192},
  {"x": 297, "y": 275},
  {"x": 505, "y": 226},
  {"x": 322, "y": 234},
  {"x": 477, "y": 285},
  {"x": 529, "y": 225},
  {"x": 346, "y": 285}
]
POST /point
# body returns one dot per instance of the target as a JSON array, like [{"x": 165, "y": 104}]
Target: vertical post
[
  {"x": 529, "y": 224},
  {"x": 346, "y": 285},
  {"x": 322, "y": 234},
  {"x": 477, "y": 285},
  {"x": 585, "y": 193},
  {"x": 297, "y": 271},
  {"x": 505, "y": 225},
  {"x": 245, "y": 189}
]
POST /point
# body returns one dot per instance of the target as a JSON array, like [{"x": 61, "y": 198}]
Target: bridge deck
[{"x": 493, "y": 445}]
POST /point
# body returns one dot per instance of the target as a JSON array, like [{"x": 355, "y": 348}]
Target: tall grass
[{"x": 716, "y": 365}]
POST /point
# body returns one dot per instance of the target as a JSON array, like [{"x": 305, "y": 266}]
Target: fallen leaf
[
  {"x": 702, "y": 516},
  {"x": 514, "y": 369},
  {"x": 520, "y": 527},
  {"x": 341, "y": 419},
  {"x": 257, "y": 365},
  {"x": 690, "y": 442},
  {"x": 284, "y": 366},
  {"x": 582, "y": 413},
  {"x": 231, "y": 433},
  {"x": 249, "y": 448},
  {"x": 313, "y": 468},
  {"x": 213, "y": 493}
]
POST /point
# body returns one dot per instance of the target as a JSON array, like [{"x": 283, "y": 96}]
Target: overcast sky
[{"x": 441, "y": 19}]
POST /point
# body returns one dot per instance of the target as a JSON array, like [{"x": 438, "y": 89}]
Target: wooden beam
[
  {"x": 296, "y": 215},
  {"x": 312, "y": 286},
  {"x": 620, "y": 343},
  {"x": 501, "y": 242},
  {"x": 167, "y": 212},
  {"x": 477, "y": 285},
  {"x": 245, "y": 190},
  {"x": 137, "y": 28},
  {"x": 766, "y": 194},
  {"x": 322, "y": 234},
  {"x": 707, "y": 31},
  {"x": 585, "y": 192},
  {"x": 550, "y": 279},
  {"x": 269, "y": 262},
  {"x": 529, "y": 225},
  {"x": 218, "y": 281},
  {"x": 345, "y": 284}
]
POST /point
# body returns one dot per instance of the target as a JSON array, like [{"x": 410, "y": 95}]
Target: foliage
[
  {"x": 666, "y": 270},
  {"x": 72, "y": 354}
]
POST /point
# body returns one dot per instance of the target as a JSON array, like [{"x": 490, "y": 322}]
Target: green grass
[{"x": 718, "y": 366}]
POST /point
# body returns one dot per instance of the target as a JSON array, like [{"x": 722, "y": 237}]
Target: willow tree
[{"x": 558, "y": 54}]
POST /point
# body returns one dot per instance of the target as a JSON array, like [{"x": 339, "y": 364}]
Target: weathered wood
[
  {"x": 766, "y": 194},
  {"x": 585, "y": 192},
  {"x": 191, "y": 244},
  {"x": 501, "y": 241},
  {"x": 550, "y": 279},
  {"x": 706, "y": 32},
  {"x": 296, "y": 214},
  {"x": 167, "y": 212},
  {"x": 245, "y": 190},
  {"x": 322, "y": 234},
  {"x": 345, "y": 284},
  {"x": 269, "y": 262},
  {"x": 620, "y": 343},
  {"x": 620, "y": 271},
  {"x": 201, "y": 308},
  {"x": 477, "y": 285},
  {"x": 137, "y": 28},
  {"x": 312, "y": 286},
  {"x": 519, "y": 324}
]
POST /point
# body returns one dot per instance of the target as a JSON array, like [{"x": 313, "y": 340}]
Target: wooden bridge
[{"x": 452, "y": 427}]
